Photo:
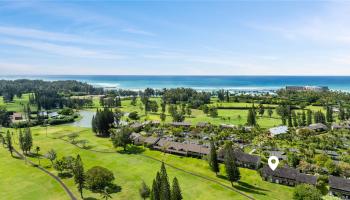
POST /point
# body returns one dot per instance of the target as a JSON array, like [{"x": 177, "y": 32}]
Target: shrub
[
  {"x": 62, "y": 120},
  {"x": 134, "y": 115},
  {"x": 66, "y": 111},
  {"x": 306, "y": 192},
  {"x": 97, "y": 178}
]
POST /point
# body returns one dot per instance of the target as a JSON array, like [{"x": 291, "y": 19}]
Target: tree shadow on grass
[
  {"x": 112, "y": 188},
  {"x": 221, "y": 176},
  {"x": 16, "y": 157},
  {"x": 31, "y": 155},
  {"x": 46, "y": 166},
  {"x": 132, "y": 149},
  {"x": 65, "y": 175},
  {"x": 87, "y": 147},
  {"x": 248, "y": 190},
  {"x": 247, "y": 185}
]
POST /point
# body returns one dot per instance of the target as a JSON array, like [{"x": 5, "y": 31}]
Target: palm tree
[{"x": 105, "y": 194}]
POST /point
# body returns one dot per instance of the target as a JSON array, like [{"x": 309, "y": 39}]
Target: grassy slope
[
  {"x": 21, "y": 181},
  {"x": 131, "y": 169},
  {"x": 17, "y": 104}
]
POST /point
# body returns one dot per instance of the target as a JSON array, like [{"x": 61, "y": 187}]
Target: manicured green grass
[
  {"x": 17, "y": 104},
  {"x": 226, "y": 116},
  {"x": 131, "y": 169},
  {"x": 238, "y": 104},
  {"x": 22, "y": 181},
  {"x": 250, "y": 182}
]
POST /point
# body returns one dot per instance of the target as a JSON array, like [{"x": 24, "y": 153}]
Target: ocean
[{"x": 238, "y": 83}]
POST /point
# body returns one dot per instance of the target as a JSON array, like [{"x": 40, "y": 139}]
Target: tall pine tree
[
  {"x": 251, "y": 119},
  {"x": 176, "y": 190},
  {"x": 155, "y": 193},
  {"x": 290, "y": 122},
  {"x": 303, "y": 118},
  {"x": 232, "y": 170},
  {"x": 165, "y": 186},
  {"x": 213, "y": 158},
  {"x": 9, "y": 142},
  {"x": 309, "y": 117},
  {"x": 329, "y": 114},
  {"x": 144, "y": 190},
  {"x": 28, "y": 140},
  {"x": 79, "y": 175}
]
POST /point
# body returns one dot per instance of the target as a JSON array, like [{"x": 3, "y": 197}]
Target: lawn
[
  {"x": 131, "y": 169},
  {"x": 17, "y": 104},
  {"x": 21, "y": 181},
  {"x": 226, "y": 116}
]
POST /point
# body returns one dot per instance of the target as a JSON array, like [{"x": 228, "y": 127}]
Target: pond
[{"x": 86, "y": 118}]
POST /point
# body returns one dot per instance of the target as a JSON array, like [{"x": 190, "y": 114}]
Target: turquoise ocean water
[{"x": 252, "y": 83}]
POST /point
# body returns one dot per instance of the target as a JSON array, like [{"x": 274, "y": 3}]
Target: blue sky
[{"x": 175, "y": 38}]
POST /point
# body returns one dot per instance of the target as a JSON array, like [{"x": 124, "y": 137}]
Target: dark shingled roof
[
  {"x": 318, "y": 126},
  {"x": 227, "y": 126},
  {"x": 339, "y": 183},
  {"x": 304, "y": 178},
  {"x": 289, "y": 173},
  {"x": 182, "y": 147},
  {"x": 151, "y": 140},
  {"x": 136, "y": 125},
  {"x": 282, "y": 172},
  {"x": 180, "y": 124},
  {"x": 246, "y": 158},
  {"x": 240, "y": 156},
  {"x": 202, "y": 124}
]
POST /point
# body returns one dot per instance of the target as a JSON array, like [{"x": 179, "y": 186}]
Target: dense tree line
[
  {"x": 178, "y": 116},
  {"x": 102, "y": 122},
  {"x": 314, "y": 97},
  {"x": 110, "y": 101},
  {"x": 11, "y": 88},
  {"x": 180, "y": 95},
  {"x": 78, "y": 103}
]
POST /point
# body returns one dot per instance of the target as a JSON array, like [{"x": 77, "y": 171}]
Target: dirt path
[{"x": 70, "y": 194}]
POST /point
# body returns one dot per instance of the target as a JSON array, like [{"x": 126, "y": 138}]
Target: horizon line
[{"x": 164, "y": 75}]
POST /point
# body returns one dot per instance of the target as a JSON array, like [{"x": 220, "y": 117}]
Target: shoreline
[{"x": 234, "y": 84}]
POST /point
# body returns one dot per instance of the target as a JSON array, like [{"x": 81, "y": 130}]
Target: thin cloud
[
  {"x": 138, "y": 31},
  {"x": 78, "y": 15},
  {"x": 71, "y": 38},
  {"x": 64, "y": 50}
]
